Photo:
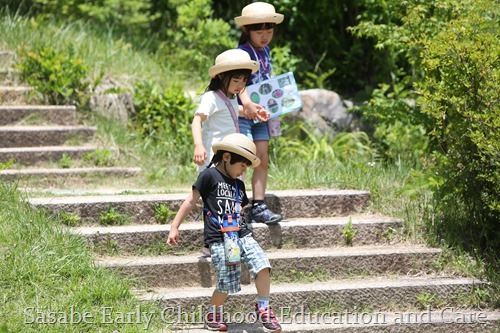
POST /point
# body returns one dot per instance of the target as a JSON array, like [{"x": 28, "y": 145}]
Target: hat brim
[
  {"x": 235, "y": 148},
  {"x": 230, "y": 65},
  {"x": 259, "y": 18}
]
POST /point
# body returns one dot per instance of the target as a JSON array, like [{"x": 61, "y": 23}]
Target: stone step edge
[
  {"x": 107, "y": 198},
  {"x": 357, "y": 219},
  {"x": 355, "y": 284},
  {"x": 366, "y": 250},
  {"x": 46, "y": 128},
  {"x": 37, "y": 107},
  {"x": 66, "y": 172},
  {"x": 52, "y": 149},
  {"x": 15, "y": 88},
  {"x": 431, "y": 320}
]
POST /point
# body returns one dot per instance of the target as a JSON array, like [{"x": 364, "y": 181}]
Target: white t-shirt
[{"x": 219, "y": 122}]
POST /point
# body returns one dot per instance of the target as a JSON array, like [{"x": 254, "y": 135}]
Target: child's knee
[{"x": 266, "y": 271}]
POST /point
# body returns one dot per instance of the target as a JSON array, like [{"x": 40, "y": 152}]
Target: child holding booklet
[{"x": 223, "y": 195}]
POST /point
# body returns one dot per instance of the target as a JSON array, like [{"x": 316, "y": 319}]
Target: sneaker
[
  {"x": 262, "y": 214},
  {"x": 215, "y": 324},
  {"x": 269, "y": 322}
]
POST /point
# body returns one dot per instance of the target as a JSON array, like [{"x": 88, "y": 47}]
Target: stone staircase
[
  {"x": 336, "y": 268},
  {"x": 37, "y": 137}
]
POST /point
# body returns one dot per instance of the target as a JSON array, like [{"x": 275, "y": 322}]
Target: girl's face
[
  {"x": 261, "y": 38},
  {"x": 236, "y": 85}
]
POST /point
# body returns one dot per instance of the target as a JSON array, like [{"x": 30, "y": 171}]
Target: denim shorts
[
  {"x": 254, "y": 131},
  {"x": 228, "y": 277}
]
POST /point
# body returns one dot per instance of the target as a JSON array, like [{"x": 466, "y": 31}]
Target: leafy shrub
[
  {"x": 164, "y": 115},
  {"x": 399, "y": 142},
  {"x": 57, "y": 75},
  {"x": 193, "y": 42},
  {"x": 125, "y": 16},
  {"x": 462, "y": 95}
]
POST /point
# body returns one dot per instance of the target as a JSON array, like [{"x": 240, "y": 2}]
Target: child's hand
[
  {"x": 262, "y": 115},
  {"x": 173, "y": 237},
  {"x": 255, "y": 111},
  {"x": 200, "y": 155}
]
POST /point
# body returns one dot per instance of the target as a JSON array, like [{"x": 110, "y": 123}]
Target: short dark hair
[
  {"x": 245, "y": 35},
  {"x": 221, "y": 81},
  {"x": 235, "y": 158}
]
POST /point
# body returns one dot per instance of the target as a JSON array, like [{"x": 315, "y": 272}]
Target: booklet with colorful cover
[{"x": 279, "y": 95}]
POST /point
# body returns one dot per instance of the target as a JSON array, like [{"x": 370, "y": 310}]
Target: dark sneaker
[
  {"x": 262, "y": 214},
  {"x": 215, "y": 323},
  {"x": 269, "y": 322}
]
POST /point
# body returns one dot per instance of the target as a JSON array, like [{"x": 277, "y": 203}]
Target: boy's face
[
  {"x": 261, "y": 38},
  {"x": 233, "y": 170}
]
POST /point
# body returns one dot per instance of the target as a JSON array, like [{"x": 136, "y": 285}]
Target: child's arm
[
  {"x": 200, "y": 155},
  {"x": 187, "y": 206},
  {"x": 252, "y": 110}
]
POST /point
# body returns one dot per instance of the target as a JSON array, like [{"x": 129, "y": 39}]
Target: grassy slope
[{"x": 45, "y": 269}]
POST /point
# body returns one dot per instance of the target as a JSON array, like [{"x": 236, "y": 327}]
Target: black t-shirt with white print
[{"x": 218, "y": 195}]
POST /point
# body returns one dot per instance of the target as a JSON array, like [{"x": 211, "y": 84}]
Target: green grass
[
  {"x": 115, "y": 58},
  {"x": 45, "y": 269}
]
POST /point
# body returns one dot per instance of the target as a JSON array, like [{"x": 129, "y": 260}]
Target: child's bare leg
[
  {"x": 263, "y": 283},
  {"x": 260, "y": 212},
  {"x": 218, "y": 299},
  {"x": 259, "y": 177}
]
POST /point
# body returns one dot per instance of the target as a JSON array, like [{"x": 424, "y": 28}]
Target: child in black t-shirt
[{"x": 222, "y": 194}]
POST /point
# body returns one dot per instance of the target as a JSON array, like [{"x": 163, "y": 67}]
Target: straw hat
[
  {"x": 259, "y": 12},
  {"x": 233, "y": 59},
  {"x": 239, "y": 144}
]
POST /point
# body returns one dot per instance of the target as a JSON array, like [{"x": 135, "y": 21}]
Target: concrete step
[
  {"x": 7, "y": 58},
  {"x": 51, "y": 175},
  {"x": 37, "y": 136},
  {"x": 434, "y": 320},
  {"x": 291, "y": 234},
  {"x": 29, "y": 156},
  {"x": 39, "y": 114},
  {"x": 383, "y": 293},
  {"x": 10, "y": 77},
  {"x": 141, "y": 208},
  {"x": 15, "y": 94},
  {"x": 338, "y": 262}
]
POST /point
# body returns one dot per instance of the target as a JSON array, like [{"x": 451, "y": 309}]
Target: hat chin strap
[{"x": 225, "y": 169}]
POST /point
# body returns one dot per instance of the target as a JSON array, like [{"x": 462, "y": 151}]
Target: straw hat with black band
[
  {"x": 239, "y": 144},
  {"x": 259, "y": 12},
  {"x": 233, "y": 59}
]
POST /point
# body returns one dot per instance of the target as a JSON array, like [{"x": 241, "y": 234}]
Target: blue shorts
[
  {"x": 228, "y": 277},
  {"x": 254, "y": 131}
]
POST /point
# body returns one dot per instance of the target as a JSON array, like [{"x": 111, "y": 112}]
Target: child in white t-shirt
[{"x": 218, "y": 111}]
